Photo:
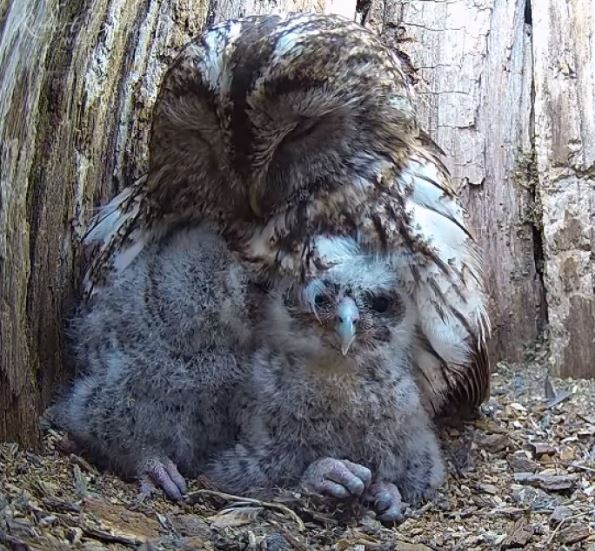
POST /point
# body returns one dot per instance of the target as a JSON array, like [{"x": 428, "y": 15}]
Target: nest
[{"x": 520, "y": 477}]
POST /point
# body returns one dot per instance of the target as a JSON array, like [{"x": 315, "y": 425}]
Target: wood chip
[
  {"x": 521, "y": 463},
  {"x": 121, "y": 522},
  {"x": 553, "y": 483},
  {"x": 499, "y": 495},
  {"x": 488, "y": 489},
  {"x": 542, "y": 448},
  {"x": 560, "y": 513},
  {"x": 573, "y": 534},
  {"x": 495, "y": 442},
  {"x": 15, "y": 544},
  {"x": 107, "y": 537},
  {"x": 404, "y": 546},
  {"x": 519, "y": 537}
]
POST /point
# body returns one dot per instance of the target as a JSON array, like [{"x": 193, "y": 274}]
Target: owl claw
[
  {"x": 337, "y": 478},
  {"x": 385, "y": 500},
  {"x": 165, "y": 475}
]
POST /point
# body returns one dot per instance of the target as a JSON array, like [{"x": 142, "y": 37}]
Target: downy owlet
[{"x": 332, "y": 403}]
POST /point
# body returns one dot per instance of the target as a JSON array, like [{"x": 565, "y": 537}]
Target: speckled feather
[
  {"x": 185, "y": 364},
  {"x": 282, "y": 129}
]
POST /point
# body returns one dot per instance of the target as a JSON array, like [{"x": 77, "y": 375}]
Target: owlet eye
[{"x": 379, "y": 304}]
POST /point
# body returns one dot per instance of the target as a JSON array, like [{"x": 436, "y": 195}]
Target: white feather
[
  {"x": 335, "y": 249},
  {"x": 423, "y": 177},
  {"x": 108, "y": 218},
  {"x": 125, "y": 257},
  {"x": 220, "y": 42},
  {"x": 109, "y": 224}
]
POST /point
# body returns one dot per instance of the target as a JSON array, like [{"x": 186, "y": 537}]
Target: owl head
[
  {"x": 262, "y": 111},
  {"x": 355, "y": 308}
]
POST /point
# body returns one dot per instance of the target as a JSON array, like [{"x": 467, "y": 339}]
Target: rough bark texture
[
  {"x": 509, "y": 96},
  {"x": 564, "y": 51}
]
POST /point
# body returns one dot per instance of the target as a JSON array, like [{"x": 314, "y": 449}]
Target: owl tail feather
[{"x": 114, "y": 232}]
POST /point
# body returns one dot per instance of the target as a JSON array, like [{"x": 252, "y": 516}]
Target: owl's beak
[{"x": 347, "y": 318}]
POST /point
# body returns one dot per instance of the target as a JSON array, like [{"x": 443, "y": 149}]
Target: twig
[
  {"x": 109, "y": 538},
  {"x": 267, "y": 504},
  {"x": 582, "y": 467},
  {"x": 573, "y": 517}
]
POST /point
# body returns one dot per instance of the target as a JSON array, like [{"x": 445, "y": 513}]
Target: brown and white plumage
[{"x": 281, "y": 129}]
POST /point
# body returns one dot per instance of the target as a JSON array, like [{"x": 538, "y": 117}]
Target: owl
[
  {"x": 332, "y": 404},
  {"x": 281, "y": 130},
  {"x": 187, "y": 368},
  {"x": 160, "y": 354}
]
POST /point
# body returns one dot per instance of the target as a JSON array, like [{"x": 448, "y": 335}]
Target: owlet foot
[
  {"x": 337, "y": 478},
  {"x": 385, "y": 500},
  {"x": 165, "y": 475}
]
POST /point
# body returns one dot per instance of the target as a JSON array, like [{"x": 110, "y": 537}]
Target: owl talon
[
  {"x": 385, "y": 500},
  {"x": 165, "y": 475},
  {"x": 336, "y": 478}
]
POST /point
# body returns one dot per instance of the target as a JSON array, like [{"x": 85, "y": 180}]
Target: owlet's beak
[{"x": 347, "y": 318}]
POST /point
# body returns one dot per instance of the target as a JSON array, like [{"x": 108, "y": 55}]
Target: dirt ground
[{"x": 521, "y": 477}]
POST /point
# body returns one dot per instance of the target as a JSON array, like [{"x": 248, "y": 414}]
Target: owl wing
[
  {"x": 117, "y": 233},
  {"x": 445, "y": 277}
]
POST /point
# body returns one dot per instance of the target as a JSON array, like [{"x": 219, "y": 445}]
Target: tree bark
[
  {"x": 507, "y": 93},
  {"x": 564, "y": 47},
  {"x": 78, "y": 79},
  {"x": 510, "y": 95}
]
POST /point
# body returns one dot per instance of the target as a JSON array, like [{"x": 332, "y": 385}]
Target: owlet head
[{"x": 356, "y": 306}]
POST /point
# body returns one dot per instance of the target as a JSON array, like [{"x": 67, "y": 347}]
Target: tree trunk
[
  {"x": 510, "y": 95},
  {"x": 78, "y": 79},
  {"x": 474, "y": 62},
  {"x": 564, "y": 48}
]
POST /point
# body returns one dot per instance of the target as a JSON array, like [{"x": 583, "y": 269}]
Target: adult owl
[{"x": 279, "y": 130}]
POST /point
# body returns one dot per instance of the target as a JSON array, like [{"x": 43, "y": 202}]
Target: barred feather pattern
[{"x": 279, "y": 130}]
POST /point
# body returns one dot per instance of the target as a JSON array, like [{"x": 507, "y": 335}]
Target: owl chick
[
  {"x": 280, "y": 129},
  {"x": 333, "y": 404},
  {"x": 160, "y": 350}
]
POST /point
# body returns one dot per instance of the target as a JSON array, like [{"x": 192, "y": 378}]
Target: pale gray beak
[{"x": 347, "y": 318}]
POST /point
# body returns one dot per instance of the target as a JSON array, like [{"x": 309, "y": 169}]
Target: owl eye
[{"x": 379, "y": 304}]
